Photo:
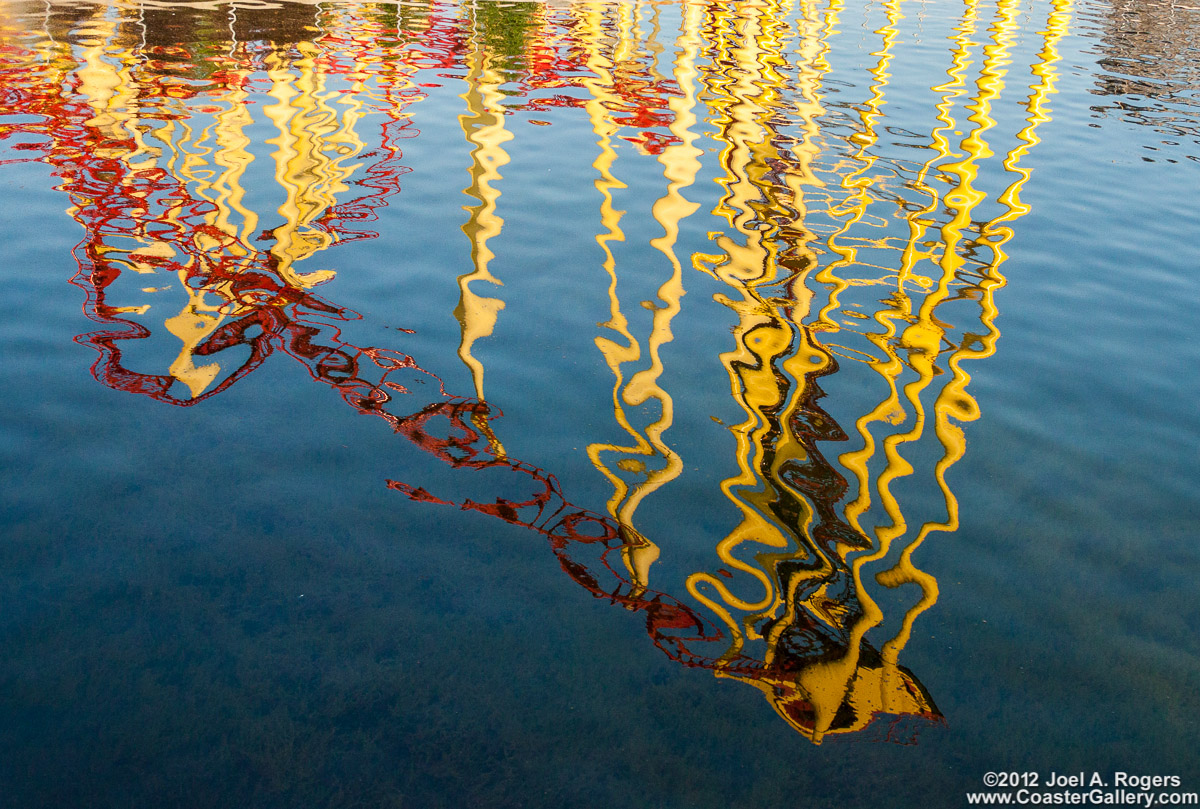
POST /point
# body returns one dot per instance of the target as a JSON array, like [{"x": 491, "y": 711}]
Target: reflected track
[{"x": 830, "y": 254}]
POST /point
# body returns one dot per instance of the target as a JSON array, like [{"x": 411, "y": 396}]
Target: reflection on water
[
  {"x": 215, "y": 153},
  {"x": 1151, "y": 74}
]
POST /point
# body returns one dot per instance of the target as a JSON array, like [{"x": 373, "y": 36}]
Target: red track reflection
[{"x": 119, "y": 201}]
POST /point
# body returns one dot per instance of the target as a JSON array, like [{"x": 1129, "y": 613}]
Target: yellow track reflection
[
  {"x": 483, "y": 126},
  {"x": 313, "y": 148},
  {"x": 828, "y": 251},
  {"x": 777, "y": 360}
]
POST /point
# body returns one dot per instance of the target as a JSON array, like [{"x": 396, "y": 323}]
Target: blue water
[{"x": 884, "y": 310}]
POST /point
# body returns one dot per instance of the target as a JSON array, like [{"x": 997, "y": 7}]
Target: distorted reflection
[
  {"x": 213, "y": 152},
  {"x": 1151, "y": 75}
]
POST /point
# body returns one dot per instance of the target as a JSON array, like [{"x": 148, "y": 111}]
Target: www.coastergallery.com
[{"x": 1095, "y": 797}]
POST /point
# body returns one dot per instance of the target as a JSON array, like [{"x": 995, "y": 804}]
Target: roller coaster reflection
[{"x": 152, "y": 142}]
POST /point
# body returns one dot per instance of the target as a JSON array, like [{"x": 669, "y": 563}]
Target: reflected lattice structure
[{"x": 833, "y": 255}]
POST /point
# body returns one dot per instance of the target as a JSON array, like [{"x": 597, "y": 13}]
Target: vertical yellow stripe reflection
[
  {"x": 802, "y": 581},
  {"x": 649, "y": 460},
  {"x": 483, "y": 127},
  {"x": 857, "y": 281},
  {"x": 202, "y": 140}
]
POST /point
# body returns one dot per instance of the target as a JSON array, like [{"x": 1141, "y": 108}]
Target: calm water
[{"x": 647, "y": 404}]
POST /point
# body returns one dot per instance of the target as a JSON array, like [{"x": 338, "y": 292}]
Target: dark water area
[{"x": 648, "y": 404}]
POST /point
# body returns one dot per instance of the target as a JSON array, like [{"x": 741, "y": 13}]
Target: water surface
[{"x": 749, "y": 404}]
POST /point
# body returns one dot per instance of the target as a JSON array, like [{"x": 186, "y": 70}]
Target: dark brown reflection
[{"x": 1150, "y": 55}]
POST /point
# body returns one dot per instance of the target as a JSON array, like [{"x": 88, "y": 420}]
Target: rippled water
[{"x": 740, "y": 404}]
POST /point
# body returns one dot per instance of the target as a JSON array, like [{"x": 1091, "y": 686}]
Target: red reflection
[
  {"x": 120, "y": 201},
  {"x": 116, "y": 201}
]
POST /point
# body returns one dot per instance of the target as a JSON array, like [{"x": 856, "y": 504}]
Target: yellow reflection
[
  {"x": 312, "y": 148},
  {"x": 483, "y": 126},
  {"x": 150, "y": 121},
  {"x": 648, "y": 460},
  {"x": 797, "y": 573},
  {"x": 833, "y": 258}
]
